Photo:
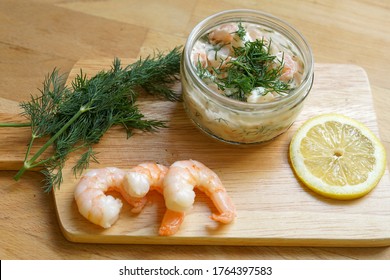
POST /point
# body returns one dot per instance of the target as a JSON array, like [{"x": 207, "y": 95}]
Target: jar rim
[{"x": 283, "y": 27}]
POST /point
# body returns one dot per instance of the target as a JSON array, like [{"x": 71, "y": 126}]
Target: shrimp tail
[
  {"x": 138, "y": 205},
  {"x": 224, "y": 205},
  {"x": 171, "y": 222}
]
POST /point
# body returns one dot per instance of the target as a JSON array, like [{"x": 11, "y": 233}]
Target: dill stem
[
  {"x": 15, "y": 124},
  {"x": 28, "y": 164},
  {"x": 39, "y": 163},
  {"x": 33, "y": 137}
]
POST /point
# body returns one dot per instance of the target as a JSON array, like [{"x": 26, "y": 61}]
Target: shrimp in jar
[
  {"x": 218, "y": 58},
  {"x": 179, "y": 183},
  {"x": 200, "y": 58},
  {"x": 224, "y": 34},
  {"x": 292, "y": 69}
]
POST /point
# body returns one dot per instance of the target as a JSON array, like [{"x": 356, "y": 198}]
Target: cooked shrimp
[
  {"x": 144, "y": 177},
  {"x": 223, "y": 34},
  {"x": 133, "y": 184},
  {"x": 291, "y": 68},
  {"x": 218, "y": 58},
  {"x": 147, "y": 177},
  {"x": 171, "y": 222},
  {"x": 91, "y": 198},
  {"x": 179, "y": 183},
  {"x": 200, "y": 59}
]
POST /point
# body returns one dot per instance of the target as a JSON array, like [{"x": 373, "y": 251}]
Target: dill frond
[
  {"x": 76, "y": 117},
  {"x": 241, "y": 32},
  {"x": 253, "y": 67}
]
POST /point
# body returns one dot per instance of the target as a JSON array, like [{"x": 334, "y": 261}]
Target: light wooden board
[
  {"x": 273, "y": 208},
  {"x": 14, "y": 140}
]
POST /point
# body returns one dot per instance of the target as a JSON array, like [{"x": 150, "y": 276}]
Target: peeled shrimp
[
  {"x": 91, "y": 198},
  {"x": 218, "y": 59},
  {"x": 291, "y": 68},
  {"x": 223, "y": 34},
  {"x": 133, "y": 184},
  {"x": 143, "y": 178},
  {"x": 179, "y": 183}
]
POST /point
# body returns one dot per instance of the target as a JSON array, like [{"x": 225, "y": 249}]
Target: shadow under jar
[{"x": 227, "y": 67}]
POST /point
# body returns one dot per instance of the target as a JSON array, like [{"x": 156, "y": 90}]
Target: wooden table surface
[{"x": 38, "y": 35}]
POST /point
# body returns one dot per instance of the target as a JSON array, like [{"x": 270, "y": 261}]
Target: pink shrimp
[
  {"x": 179, "y": 183},
  {"x": 291, "y": 69},
  {"x": 144, "y": 177},
  {"x": 91, "y": 198},
  {"x": 201, "y": 58},
  {"x": 133, "y": 184},
  {"x": 223, "y": 34},
  {"x": 148, "y": 177}
]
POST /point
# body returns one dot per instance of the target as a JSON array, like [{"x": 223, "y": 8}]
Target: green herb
[
  {"x": 241, "y": 32},
  {"x": 75, "y": 117},
  {"x": 252, "y": 66},
  {"x": 201, "y": 71}
]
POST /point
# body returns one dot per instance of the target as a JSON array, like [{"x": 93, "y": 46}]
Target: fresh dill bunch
[
  {"x": 75, "y": 117},
  {"x": 155, "y": 74},
  {"x": 253, "y": 66}
]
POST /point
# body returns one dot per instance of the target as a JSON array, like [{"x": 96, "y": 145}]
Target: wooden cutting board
[{"x": 273, "y": 208}]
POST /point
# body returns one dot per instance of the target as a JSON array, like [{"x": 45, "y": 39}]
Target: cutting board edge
[
  {"x": 217, "y": 240},
  {"x": 227, "y": 241}
]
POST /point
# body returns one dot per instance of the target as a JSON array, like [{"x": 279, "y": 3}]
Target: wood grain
[
  {"x": 38, "y": 35},
  {"x": 272, "y": 207},
  {"x": 14, "y": 140}
]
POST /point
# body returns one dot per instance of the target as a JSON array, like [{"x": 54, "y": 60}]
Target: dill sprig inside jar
[{"x": 243, "y": 62}]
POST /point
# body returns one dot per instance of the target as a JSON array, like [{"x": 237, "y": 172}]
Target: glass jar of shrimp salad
[{"x": 245, "y": 75}]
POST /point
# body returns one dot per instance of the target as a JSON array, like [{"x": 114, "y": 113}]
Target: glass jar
[{"x": 234, "y": 121}]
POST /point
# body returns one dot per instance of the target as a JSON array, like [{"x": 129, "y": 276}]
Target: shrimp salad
[
  {"x": 245, "y": 83},
  {"x": 247, "y": 62}
]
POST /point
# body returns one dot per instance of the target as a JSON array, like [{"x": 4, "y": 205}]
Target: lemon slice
[{"x": 337, "y": 157}]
